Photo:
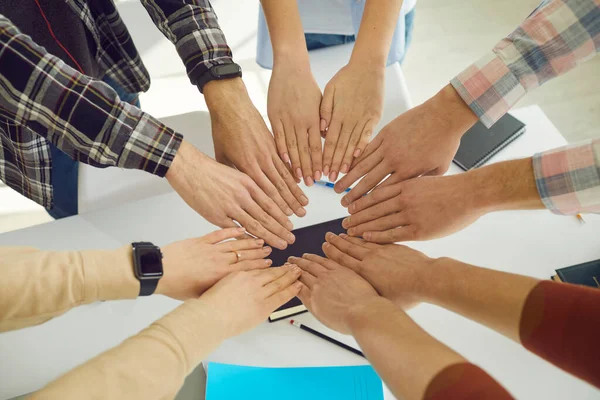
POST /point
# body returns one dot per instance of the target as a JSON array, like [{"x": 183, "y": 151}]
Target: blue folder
[{"x": 227, "y": 381}]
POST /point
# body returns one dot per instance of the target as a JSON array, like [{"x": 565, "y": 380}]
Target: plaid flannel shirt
[
  {"x": 43, "y": 100},
  {"x": 555, "y": 38}
]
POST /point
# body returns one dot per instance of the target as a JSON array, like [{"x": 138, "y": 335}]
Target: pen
[
  {"x": 580, "y": 218},
  {"x": 329, "y": 185},
  {"x": 330, "y": 340}
]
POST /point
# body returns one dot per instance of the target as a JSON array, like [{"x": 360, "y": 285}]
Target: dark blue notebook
[{"x": 586, "y": 274}]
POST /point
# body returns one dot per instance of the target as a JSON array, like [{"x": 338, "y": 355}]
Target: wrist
[
  {"x": 444, "y": 272},
  {"x": 222, "y": 94},
  {"x": 452, "y": 110},
  {"x": 359, "y": 314},
  {"x": 291, "y": 56}
]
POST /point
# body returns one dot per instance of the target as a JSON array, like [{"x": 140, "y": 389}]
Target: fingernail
[
  {"x": 288, "y": 212},
  {"x": 343, "y": 235},
  {"x": 323, "y": 125},
  {"x": 352, "y": 207},
  {"x": 317, "y": 175},
  {"x": 357, "y": 153},
  {"x": 344, "y": 169},
  {"x": 296, "y": 270},
  {"x": 298, "y": 285},
  {"x": 282, "y": 244},
  {"x": 326, "y": 245},
  {"x": 268, "y": 262},
  {"x": 267, "y": 249},
  {"x": 309, "y": 181},
  {"x": 304, "y": 255},
  {"x": 303, "y": 200},
  {"x": 328, "y": 235},
  {"x": 289, "y": 225},
  {"x": 344, "y": 201},
  {"x": 301, "y": 212},
  {"x": 241, "y": 229},
  {"x": 333, "y": 176},
  {"x": 259, "y": 242},
  {"x": 286, "y": 158},
  {"x": 292, "y": 258},
  {"x": 291, "y": 238},
  {"x": 351, "y": 231},
  {"x": 326, "y": 170},
  {"x": 299, "y": 173},
  {"x": 346, "y": 222}
]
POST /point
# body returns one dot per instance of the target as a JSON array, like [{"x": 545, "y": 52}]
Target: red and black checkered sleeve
[{"x": 81, "y": 116}]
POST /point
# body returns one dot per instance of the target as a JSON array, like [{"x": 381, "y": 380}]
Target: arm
[
  {"x": 81, "y": 116},
  {"x": 344, "y": 301},
  {"x": 353, "y": 100},
  {"x": 154, "y": 363},
  {"x": 294, "y": 96}
]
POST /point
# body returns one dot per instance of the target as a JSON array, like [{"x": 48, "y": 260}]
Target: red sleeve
[
  {"x": 561, "y": 323},
  {"x": 465, "y": 381}
]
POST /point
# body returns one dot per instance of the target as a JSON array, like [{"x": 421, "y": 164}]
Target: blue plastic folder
[{"x": 227, "y": 381}]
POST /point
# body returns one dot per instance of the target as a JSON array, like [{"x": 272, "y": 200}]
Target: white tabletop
[{"x": 533, "y": 243}]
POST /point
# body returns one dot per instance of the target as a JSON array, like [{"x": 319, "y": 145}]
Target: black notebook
[
  {"x": 587, "y": 274},
  {"x": 308, "y": 240},
  {"x": 480, "y": 144}
]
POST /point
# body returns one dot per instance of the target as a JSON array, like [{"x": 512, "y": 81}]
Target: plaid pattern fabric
[
  {"x": 568, "y": 178},
  {"x": 555, "y": 38},
  {"x": 44, "y": 100}
]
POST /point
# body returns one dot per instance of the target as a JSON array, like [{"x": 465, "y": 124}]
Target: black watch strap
[
  {"x": 228, "y": 70},
  {"x": 147, "y": 259}
]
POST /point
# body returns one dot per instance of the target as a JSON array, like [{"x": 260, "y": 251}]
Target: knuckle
[
  {"x": 292, "y": 142},
  {"x": 254, "y": 225},
  {"x": 305, "y": 149}
]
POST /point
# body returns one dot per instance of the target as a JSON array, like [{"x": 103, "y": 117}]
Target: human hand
[
  {"x": 244, "y": 299},
  {"x": 331, "y": 291},
  {"x": 418, "y": 209},
  {"x": 350, "y": 110},
  {"x": 422, "y": 141},
  {"x": 192, "y": 266},
  {"x": 293, "y": 108},
  {"x": 242, "y": 140},
  {"x": 397, "y": 272},
  {"x": 223, "y": 195}
]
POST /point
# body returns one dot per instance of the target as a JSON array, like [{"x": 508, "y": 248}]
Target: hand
[
  {"x": 351, "y": 109},
  {"x": 331, "y": 291},
  {"x": 421, "y": 141},
  {"x": 397, "y": 272},
  {"x": 193, "y": 266},
  {"x": 418, "y": 209},
  {"x": 293, "y": 108},
  {"x": 243, "y": 140},
  {"x": 244, "y": 299},
  {"x": 221, "y": 195}
]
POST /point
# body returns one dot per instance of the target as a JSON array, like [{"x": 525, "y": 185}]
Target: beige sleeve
[
  {"x": 151, "y": 365},
  {"x": 39, "y": 285}
]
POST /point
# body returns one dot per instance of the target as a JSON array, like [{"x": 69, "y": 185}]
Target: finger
[
  {"x": 400, "y": 234},
  {"x": 356, "y": 252},
  {"x": 370, "y": 149},
  {"x": 256, "y": 210},
  {"x": 292, "y": 146},
  {"x": 222, "y": 234},
  {"x": 363, "y": 139},
  {"x": 380, "y": 224},
  {"x": 244, "y": 244},
  {"x": 251, "y": 265},
  {"x": 304, "y": 152},
  {"x": 280, "y": 142},
  {"x": 304, "y": 294},
  {"x": 286, "y": 185},
  {"x": 340, "y": 150},
  {"x": 348, "y": 155},
  {"x": 372, "y": 213},
  {"x": 263, "y": 179},
  {"x": 330, "y": 144},
  {"x": 324, "y": 262},
  {"x": 359, "y": 171},
  {"x": 316, "y": 152},
  {"x": 308, "y": 279},
  {"x": 360, "y": 242},
  {"x": 367, "y": 183},
  {"x": 283, "y": 282},
  {"x": 377, "y": 196},
  {"x": 280, "y": 298},
  {"x": 334, "y": 254},
  {"x": 255, "y": 254},
  {"x": 254, "y": 227},
  {"x": 315, "y": 269},
  {"x": 326, "y": 109}
]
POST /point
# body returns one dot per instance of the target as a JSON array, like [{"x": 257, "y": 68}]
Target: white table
[{"x": 533, "y": 243}]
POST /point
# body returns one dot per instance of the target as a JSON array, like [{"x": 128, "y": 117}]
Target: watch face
[
  {"x": 150, "y": 262},
  {"x": 226, "y": 69}
]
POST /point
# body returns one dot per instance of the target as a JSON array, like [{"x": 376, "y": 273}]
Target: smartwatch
[
  {"x": 147, "y": 266},
  {"x": 219, "y": 72}
]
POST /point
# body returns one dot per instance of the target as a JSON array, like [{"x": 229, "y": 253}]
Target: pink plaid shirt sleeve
[
  {"x": 568, "y": 178},
  {"x": 554, "y": 39}
]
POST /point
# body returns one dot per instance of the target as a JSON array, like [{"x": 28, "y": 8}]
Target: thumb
[{"x": 326, "y": 108}]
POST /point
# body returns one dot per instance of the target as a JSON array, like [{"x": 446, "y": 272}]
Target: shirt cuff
[
  {"x": 109, "y": 275},
  {"x": 150, "y": 147},
  {"x": 489, "y": 88},
  {"x": 568, "y": 178}
]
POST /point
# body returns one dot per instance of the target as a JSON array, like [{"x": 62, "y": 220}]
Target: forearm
[
  {"x": 37, "y": 286},
  {"x": 150, "y": 365},
  {"x": 375, "y": 33},
  {"x": 405, "y": 356},
  {"x": 286, "y": 32}
]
